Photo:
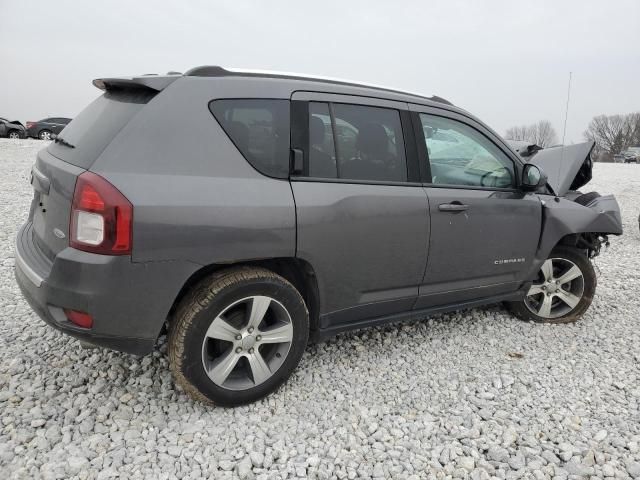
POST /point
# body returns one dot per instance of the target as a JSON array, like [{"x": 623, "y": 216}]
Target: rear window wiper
[{"x": 62, "y": 141}]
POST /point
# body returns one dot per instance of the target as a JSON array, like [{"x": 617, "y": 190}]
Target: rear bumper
[
  {"x": 129, "y": 302},
  {"x": 54, "y": 317}
]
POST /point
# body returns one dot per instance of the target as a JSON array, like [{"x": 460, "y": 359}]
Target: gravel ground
[{"x": 474, "y": 394}]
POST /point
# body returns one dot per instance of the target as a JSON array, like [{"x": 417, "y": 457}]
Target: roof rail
[{"x": 217, "y": 71}]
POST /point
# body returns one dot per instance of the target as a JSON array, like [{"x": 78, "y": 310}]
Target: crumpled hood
[{"x": 567, "y": 168}]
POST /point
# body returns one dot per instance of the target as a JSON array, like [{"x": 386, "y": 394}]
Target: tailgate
[
  {"x": 53, "y": 182},
  {"x": 57, "y": 167}
]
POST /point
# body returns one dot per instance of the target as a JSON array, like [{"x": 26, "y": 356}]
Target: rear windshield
[{"x": 92, "y": 130}]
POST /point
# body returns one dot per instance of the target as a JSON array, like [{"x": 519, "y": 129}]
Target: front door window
[{"x": 460, "y": 155}]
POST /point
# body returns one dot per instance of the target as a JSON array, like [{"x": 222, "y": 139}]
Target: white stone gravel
[{"x": 474, "y": 394}]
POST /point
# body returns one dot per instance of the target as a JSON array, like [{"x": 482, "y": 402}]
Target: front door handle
[{"x": 453, "y": 207}]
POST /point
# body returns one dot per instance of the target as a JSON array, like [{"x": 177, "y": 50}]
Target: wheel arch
[
  {"x": 298, "y": 272},
  {"x": 567, "y": 223},
  {"x": 587, "y": 242}
]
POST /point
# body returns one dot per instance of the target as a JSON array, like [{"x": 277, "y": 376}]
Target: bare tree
[
  {"x": 544, "y": 134},
  {"x": 614, "y": 133},
  {"x": 633, "y": 120},
  {"x": 517, "y": 133},
  {"x": 541, "y": 133}
]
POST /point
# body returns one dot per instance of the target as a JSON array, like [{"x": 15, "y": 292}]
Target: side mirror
[{"x": 532, "y": 177}]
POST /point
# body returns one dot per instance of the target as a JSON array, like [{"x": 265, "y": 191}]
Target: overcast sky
[{"x": 505, "y": 61}]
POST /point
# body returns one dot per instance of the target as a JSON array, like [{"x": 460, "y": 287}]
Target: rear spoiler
[{"x": 146, "y": 82}]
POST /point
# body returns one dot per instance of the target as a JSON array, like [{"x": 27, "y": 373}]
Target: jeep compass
[{"x": 250, "y": 212}]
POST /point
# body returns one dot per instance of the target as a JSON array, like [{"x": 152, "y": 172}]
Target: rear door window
[
  {"x": 94, "y": 128},
  {"x": 356, "y": 142},
  {"x": 259, "y": 128},
  {"x": 322, "y": 151}
]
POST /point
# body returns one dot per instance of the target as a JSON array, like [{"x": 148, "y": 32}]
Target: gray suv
[{"x": 249, "y": 213}]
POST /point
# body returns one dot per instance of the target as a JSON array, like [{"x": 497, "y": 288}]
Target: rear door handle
[{"x": 453, "y": 207}]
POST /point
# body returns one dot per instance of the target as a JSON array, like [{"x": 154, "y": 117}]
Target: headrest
[
  {"x": 316, "y": 131},
  {"x": 372, "y": 139}
]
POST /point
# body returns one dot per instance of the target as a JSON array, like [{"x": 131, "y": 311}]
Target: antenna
[
  {"x": 566, "y": 113},
  {"x": 564, "y": 130}
]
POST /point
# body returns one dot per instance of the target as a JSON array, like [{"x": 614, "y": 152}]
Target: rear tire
[
  {"x": 563, "y": 290},
  {"x": 237, "y": 336}
]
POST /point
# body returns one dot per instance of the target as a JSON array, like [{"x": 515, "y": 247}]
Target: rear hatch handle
[{"x": 40, "y": 181}]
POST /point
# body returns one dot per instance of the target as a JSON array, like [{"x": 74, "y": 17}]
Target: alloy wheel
[
  {"x": 14, "y": 135},
  {"x": 46, "y": 135},
  {"x": 247, "y": 343},
  {"x": 557, "y": 290}
]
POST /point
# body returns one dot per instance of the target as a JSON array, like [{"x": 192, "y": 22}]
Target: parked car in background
[
  {"x": 632, "y": 155},
  {"x": 12, "y": 129},
  {"x": 43, "y": 129}
]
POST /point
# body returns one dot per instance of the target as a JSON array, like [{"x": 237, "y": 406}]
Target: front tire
[
  {"x": 14, "y": 134},
  {"x": 237, "y": 336},
  {"x": 562, "y": 291}
]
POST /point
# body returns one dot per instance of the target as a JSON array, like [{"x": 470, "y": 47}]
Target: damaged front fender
[{"x": 562, "y": 217}]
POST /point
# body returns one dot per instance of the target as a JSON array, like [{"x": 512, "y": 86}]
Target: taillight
[
  {"x": 30, "y": 124},
  {"x": 78, "y": 318},
  {"x": 101, "y": 217}
]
